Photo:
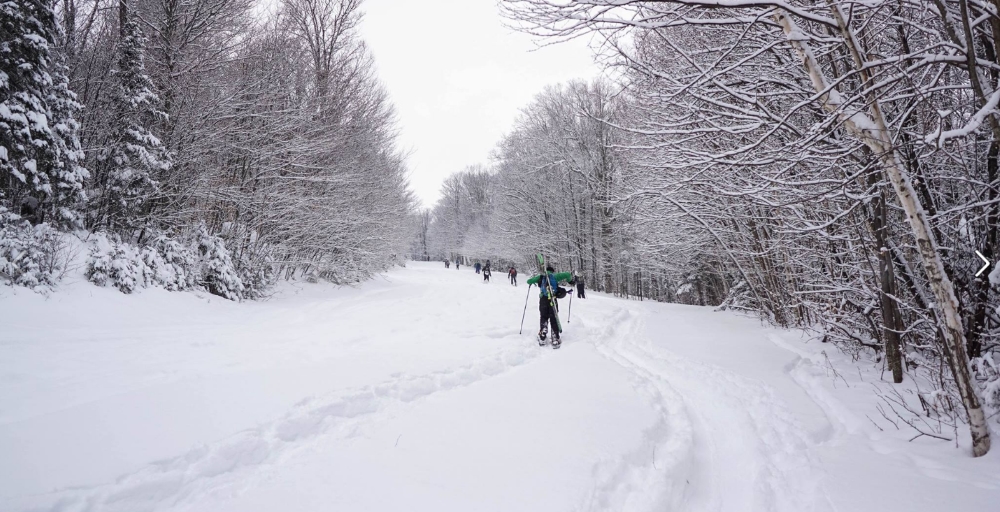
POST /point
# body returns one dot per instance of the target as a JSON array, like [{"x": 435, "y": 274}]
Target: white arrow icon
[{"x": 985, "y": 266}]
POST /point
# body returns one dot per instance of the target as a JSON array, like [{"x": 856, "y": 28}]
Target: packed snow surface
[{"x": 416, "y": 392}]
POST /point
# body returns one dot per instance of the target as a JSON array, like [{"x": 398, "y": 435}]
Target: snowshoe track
[
  {"x": 742, "y": 451},
  {"x": 654, "y": 474},
  {"x": 223, "y": 467}
]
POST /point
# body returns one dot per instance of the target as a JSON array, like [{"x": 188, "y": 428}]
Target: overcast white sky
[{"x": 458, "y": 78}]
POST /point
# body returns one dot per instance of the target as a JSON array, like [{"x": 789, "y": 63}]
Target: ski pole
[
  {"x": 570, "y": 315},
  {"x": 525, "y": 309}
]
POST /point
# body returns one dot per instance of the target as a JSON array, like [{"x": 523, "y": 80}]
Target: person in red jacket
[{"x": 512, "y": 275}]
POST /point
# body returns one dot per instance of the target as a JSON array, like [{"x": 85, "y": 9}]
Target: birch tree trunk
[{"x": 874, "y": 133}]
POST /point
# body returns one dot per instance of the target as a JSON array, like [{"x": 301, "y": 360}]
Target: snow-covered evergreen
[
  {"x": 131, "y": 157},
  {"x": 40, "y": 171},
  {"x": 33, "y": 256},
  {"x": 215, "y": 266},
  {"x": 200, "y": 261},
  {"x": 200, "y": 123}
]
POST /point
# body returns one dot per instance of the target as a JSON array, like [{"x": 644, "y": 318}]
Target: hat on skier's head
[{"x": 549, "y": 269}]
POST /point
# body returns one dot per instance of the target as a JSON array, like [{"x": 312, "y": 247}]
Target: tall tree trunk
[
  {"x": 69, "y": 26},
  {"x": 981, "y": 285},
  {"x": 122, "y": 17},
  {"x": 892, "y": 322}
]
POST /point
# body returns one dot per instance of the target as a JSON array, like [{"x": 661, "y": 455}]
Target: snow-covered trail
[{"x": 416, "y": 392}]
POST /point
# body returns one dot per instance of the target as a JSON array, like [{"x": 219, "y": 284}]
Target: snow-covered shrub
[
  {"x": 257, "y": 276},
  {"x": 117, "y": 264},
  {"x": 166, "y": 262},
  {"x": 217, "y": 273},
  {"x": 170, "y": 263},
  {"x": 253, "y": 259},
  {"x": 30, "y": 256},
  {"x": 987, "y": 371},
  {"x": 685, "y": 292}
]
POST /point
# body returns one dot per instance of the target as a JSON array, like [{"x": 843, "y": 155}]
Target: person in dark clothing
[
  {"x": 547, "y": 314},
  {"x": 512, "y": 275},
  {"x": 580, "y": 291},
  {"x": 456, "y": 265},
  {"x": 478, "y": 266},
  {"x": 486, "y": 274}
]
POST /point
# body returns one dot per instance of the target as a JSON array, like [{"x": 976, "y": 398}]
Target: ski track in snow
[
  {"x": 652, "y": 476},
  {"x": 750, "y": 453},
  {"x": 206, "y": 469},
  {"x": 729, "y": 458}
]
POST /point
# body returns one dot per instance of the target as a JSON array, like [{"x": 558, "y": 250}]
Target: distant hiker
[
  {"x": 580, "y": 292},
  {"x": 546, "y": 312},
  {"x": 478, "y": 267},
  {"x": 447, "y": 263},
  {"x": 456, "y": 265},
  {"x": 512, "y": 275},
  {"x": 486, "y": 275}
]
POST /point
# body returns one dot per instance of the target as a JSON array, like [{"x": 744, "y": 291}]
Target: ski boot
[
  {"x": 556, "y": 342},
  {"x": 541, "y": 338}
]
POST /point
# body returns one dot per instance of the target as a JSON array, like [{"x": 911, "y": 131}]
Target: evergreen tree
[
  {"x": 128, "y": 164},
  {"x": 68, "y": 176},
  {"x": 39, "y": 147}
]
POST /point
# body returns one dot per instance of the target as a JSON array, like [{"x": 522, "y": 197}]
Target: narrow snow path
[
  {"x": 747, "y": 451},
  {"x": 417, "y": 392}
]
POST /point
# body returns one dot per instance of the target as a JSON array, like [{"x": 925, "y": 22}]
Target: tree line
[
  {"x": 261, "y": 134},
  {"x": 828, "y": 166}
]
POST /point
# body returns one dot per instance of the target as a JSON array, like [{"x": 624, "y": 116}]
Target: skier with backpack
[
  {"x": 548, "y": 307},
  {"x": 478, "y": 267},
  {"x": 512, "y": 275}
]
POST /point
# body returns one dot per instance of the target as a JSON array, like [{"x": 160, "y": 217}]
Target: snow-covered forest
[
  {"x": 214, "y": 144},
  {"x": 830, "y": 166},
  {"x": 827, "y": 167}
]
